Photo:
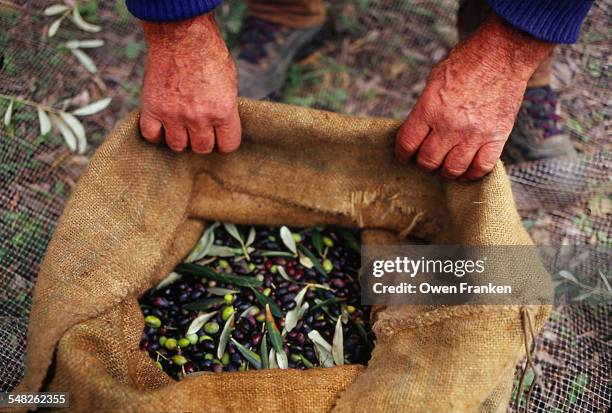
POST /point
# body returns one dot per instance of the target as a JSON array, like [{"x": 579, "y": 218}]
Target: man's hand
[
  {"x": 466, "y": 112},
  {"x": 189, "y": 93}
]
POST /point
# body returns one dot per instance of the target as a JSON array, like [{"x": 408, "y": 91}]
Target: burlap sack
[{"x": 140, "y": 208}]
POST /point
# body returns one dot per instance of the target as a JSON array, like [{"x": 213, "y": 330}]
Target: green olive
[
  {"x": 327, "y": 265},
  {"x": 152, "y": 321},
  {"x": 227, "y": 312},
  {"x": 179, "y": 360},
  {"x": 171, "y": 344},
  {"x": 193, "y": 339},
  {"x": 211, "y": 327}
]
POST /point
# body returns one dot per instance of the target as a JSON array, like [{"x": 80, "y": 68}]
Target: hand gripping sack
[{"x": 140, "y": 208}]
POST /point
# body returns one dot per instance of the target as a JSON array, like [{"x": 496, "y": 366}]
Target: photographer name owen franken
[{"x": 426, "y": 288}]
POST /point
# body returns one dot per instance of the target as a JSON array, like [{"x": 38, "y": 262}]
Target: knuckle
[
  {"x": 454, "y": 170},
  {"x": 406, "y": 144},
  {"x": 228, "y": 147},
  {"x": 175, "y": 145},
  {"x": 484, "y": 166},
  {"x": 201, "y": 149},
  {"x": 176, "y": 148},
  {"x": 426, "y": 163},
  {"x": 202, "y": 145},
  {"x": 224, "y": 108},
  {"x": 194, "y": 114}
]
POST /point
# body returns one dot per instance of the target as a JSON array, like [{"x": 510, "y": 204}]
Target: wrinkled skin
[
  {"x": 189, "y": 95},
  {"x": 465, "y": 114},
  {"x": 459, "y": 124}
]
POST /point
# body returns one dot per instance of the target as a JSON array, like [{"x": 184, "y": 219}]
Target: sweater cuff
[
  {"x": 170, "y": 10},
  {"x": 555, "y": 21}
]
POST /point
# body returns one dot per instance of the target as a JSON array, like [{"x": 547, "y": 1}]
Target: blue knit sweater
[{"x": 556, "y": 21}]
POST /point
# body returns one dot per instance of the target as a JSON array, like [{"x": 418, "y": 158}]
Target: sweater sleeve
[
  {"x": 169, "y": 10},
  {"x": 555, "y": 21}
]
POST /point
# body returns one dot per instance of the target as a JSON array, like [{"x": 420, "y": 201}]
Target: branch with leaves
[
  {"x": 75, "y": 47},
  {"x": 67, "y": 123},
  {"x": 71, "y": 12}
]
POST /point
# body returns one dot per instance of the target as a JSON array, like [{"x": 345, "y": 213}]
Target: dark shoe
[
  {"x": 537, "y": 133},
  {"x": 265, "y": 52}
]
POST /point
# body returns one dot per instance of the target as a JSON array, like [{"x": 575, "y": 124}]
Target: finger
[
  {"x": 229, "y": 134},
  {"x": 458, "y": 161},
  {"x": 410, "y": 135},
  {"x": 176, "y": 136},
  {"x": 433, "y": 151},
  {"x": 201, "y": 138},
  {"x": 151, "y": 128},
  {"x": 485, "y": 160}
]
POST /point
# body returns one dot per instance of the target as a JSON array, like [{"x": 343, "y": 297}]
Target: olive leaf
[
  {"x": 202, "y": 271},
  {"x": 77, "y": 128},
  {"x": 225, "y": 335},
  {"x": 66, "y": 132},
  {"x": 283, "y": 273},
  {"x": 281, "y": 360},
  {"x": 292, "y": 317},
  {"x": 223, "y": 251},
  {"x": 199, "y": 322},
  {"x": 276, "y": 254},
  {"x": 85, "y": 60},
  {"x": 569, "y": 276},
  {"x": 321, "y": 287},
  {"x": 93, "y": 108},
  {"x": 247, "y": 311},
  {"x": 233, "y": 231},
  {"x": 171, "y": 278},
  {"x": 322, "y": 349},
  {"x": 606, "y": 282},
  {"x": 304, "y": 260},
  {"x": 82, "y": 24},
  {"x": 338, "y": 344},
  {"x": 344, "y": 315},
  {"x": 272, "y": 359},
  {"x": 204, "y": 244},
  {"x": 84, "y": 44},
  {"x": 324, "y": 303},
  {"x": 204, "y": 303},
  {"x": 53, "y": 27},
  {"x": 315, "y": 261},
  {"x": 264, "y": 300},
  {"x": 350, "y": 239},
  {"x": 55, "y": 9},
  {"x": 303, "y": 310},
  {"x": 44, "y": 121},
  {"x": 288, "y": 240},
  {"x": 263, "y": 352},
  {"x": 583, "y": 296},
  {"x": 306, "y": 362},
  {"x": 275, "y": 336},
  {"x": 221, "y": 291},
  {"x": 362, "y": 332},
  {"x": 249, "y": 355},
  {"x": 317, "y": 241},
  {"x": 9, "y": 113},
  {"x": 251, "y": 237}
]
